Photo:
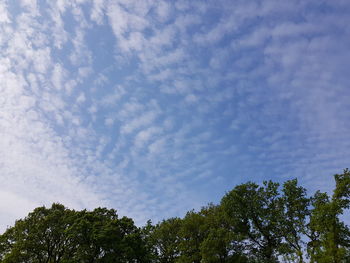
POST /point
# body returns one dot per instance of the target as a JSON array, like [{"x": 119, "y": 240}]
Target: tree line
[{"x": 252, "y": 223}]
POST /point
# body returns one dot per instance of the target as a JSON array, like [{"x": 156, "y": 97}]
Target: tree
[
  {"x": 60, "y": 235},
  {"x": 149, "y": 239},
  {"x": 220, "y": 244},
  {"x": 166, "y": 238},
  {"x": 255, "y": 213},
  {"x": 193, "y": 231},
  {"x": 293, "y": 223},
  {"x": 40, "y": 237},
  {"x": 329, "y": 235},
  {"x": 101, "y": 237},
  {"x": 252, "y": 223}
]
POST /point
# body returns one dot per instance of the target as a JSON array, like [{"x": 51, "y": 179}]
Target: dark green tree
[
  {"x": 100, "y": 236},
  {"x": 149, "y": 239},
  {"x": 60, "y": 235},
  {"x": 192, "y": 233},
  {"x": 329, "y": 236},
  {"x": 255, "y": 212},
  {"x": 166, "y": 240},
  {"x": 40, "y": 237},
  {"x": 252, "y": 224},
  {"x": 293, "y": 222},
  {"x": 220, "y": 243}
]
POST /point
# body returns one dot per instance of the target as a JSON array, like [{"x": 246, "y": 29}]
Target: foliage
[
  {"x": 293, "y": 222},
  {"x": 330, "y": 237},
  {"x": 58, "y": 234},
  {"x": 165, "y": 239},
  {"x": 255, "y": 212},
  {"x": 253, "y": 223}
]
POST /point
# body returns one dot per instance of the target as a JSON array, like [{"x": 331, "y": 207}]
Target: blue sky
[{"x": 158, "y": 107}]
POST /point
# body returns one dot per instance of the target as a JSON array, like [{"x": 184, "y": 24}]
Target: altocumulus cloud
[{"x": 154, "y": 108}]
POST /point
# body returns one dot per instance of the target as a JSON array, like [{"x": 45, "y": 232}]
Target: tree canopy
[{"x": 252, "y": 223}]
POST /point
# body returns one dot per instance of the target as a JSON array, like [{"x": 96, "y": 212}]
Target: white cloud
[
  {"x": 174, "y": 57},
  {"x": 187, "y": 87},
  {"x": 162, "y": 38},
  {"x": 31, "y": 6},
  {"x": 138, "y": 122},
  {"x": 80, "y": 54},
  {"x": 127, "y": 25},
  {"x": 216, "y": 34},
  {"x": 256, "y": 38},
  {"x": 81, "y": 98},
  {"x": 97, "y": 13},
  {"x": 157, "y": 146},
  {"x": 16, "y": 207},
  {"x": 144, "y": 136},
  {"x": 191, "y": 98},
  {"x": 109, "y": 121},
  {"x": 163, "y": 11},
  {"x": 34, "y": 161},
  {"x": 4, "y": 15},
  {"x": 60, "y": 36},
  {"x": 34, "y": 158},
  {"x": 42, "y": 59},
  {"x": 58, "y": 75},
  {"x": 130, "y": 109}
]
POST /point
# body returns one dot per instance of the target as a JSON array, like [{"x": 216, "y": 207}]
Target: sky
[{"x": 155, "y": 108}]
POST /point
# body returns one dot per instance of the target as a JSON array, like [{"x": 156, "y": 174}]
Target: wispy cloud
[{"x": 157, "y": 107}]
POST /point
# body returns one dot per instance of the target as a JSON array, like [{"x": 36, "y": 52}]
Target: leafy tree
[
  {"x": 60, "y": 235},
  {"x": 330, "y": 237},
  {"x": 101, "y": 237},
  {"x": 255, "y": 213},
  {"x": 166, "y": 238},
  {"x": 193, "y": 231},
  {"x": 253, "y": 223},
  {"x": 149, "y": 239},
  {"x": 293, "y": 222},
  {"x": 220, "y": 244},
  {"x": 40, "y": 237}
]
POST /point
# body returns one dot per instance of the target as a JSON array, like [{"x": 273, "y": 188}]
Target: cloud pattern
[{"x": 154, "y": 108}]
